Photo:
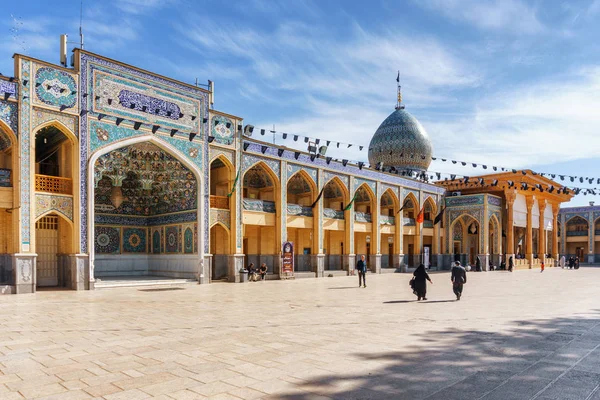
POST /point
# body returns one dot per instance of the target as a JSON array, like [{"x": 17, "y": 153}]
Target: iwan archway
[{"x": 145, "y": 212}]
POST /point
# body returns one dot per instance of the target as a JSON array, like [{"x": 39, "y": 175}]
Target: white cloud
[{"x": 506, "y": 15}]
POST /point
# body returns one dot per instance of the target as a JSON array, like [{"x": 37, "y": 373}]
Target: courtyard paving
[{"x": 521, "y": 335}]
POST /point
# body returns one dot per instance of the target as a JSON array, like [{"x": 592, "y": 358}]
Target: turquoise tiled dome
[{"x": 401, "y": 142}]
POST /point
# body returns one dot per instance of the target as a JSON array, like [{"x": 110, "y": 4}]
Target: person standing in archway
[{"x": 511, "y": 263}]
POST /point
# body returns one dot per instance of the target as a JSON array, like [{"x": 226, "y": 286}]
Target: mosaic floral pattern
[
  {"x": 55, "y": 87},
  {"x": 298, "y": 184},
  {"x": 494, "y": 201},
  {"x": 134, "y": 240},
  {"x": 5, "y": 175},
  {"x": 172, "y": 239},
  {"x": 220, "y": 130},
  {"x": 369, "y": 183},
  {"x": 249, "y": 160},
  {"x": 256, "y": 177},
  {"x": 107, "y": 240},
  {"x": 293, "y": 168},
  {"x": 328, "y": 176},
  {"x": 151, "y": 180},
  {"x": 9, "y": 114},
  {"x": 40, "y": 117},
  {"x": 464, "y": 200},
  {"x": 216, "y": 152},
  {"x": 219, "y": 215},
  {"x": 51, "y": 202},
  {"x": 457, "y": 231},
  {"x": 401, "y": 142},
  {"x": 130, "y": 220},
  {"x": 188, "y": 241},
  {"x": 5, "y": 142}
]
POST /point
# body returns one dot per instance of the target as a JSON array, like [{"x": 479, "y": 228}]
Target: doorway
[
  {"x": 579, "y": 253},
  {"x": 46, "y": 231}
]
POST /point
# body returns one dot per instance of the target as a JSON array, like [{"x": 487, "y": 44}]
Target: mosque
[{"x": 108, "y": 172}]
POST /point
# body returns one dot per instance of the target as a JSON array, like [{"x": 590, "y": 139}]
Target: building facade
[
  {"x": 579, "y": 231},
  {"x": 107, "y": 170}
]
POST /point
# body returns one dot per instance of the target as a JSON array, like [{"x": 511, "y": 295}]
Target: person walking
[
  {"x": 477, "y": 264},
  {"x": 421, "y": 278},
  {"x": 251, "y": 272},
  {"x": 562, "y": 262},
  {"x": 361, "y": 267},
  {"x": 542, "y": 266},
  {"x": 510, "y": 264},
  {"x": 576, "y": 263},
  {"x": 458, "y": 279}
]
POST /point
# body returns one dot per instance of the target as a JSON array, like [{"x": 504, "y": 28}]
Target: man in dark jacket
[
  {"x": 458, "y": 278},
  {"x": 361, "y": 267}
]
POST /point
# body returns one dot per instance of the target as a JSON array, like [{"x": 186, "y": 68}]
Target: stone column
[
  {"x": 542, "y": 232},
  {"x": 563, "y": 235},
  {"x": 399, "y": 236},
  {"x": 484, "y": 248},
  {"x": 77, "y": 272},
  {"x": 376, "y": 232},
  {"x": 281, "y": 218},
  {"x": 318, "y": 231},
  {"x": 510, "y": 229},
  {"x": 318, "y": 265},
  {"x": 529, "y": 232},
  {"x": 350, "y": 256},
  {"x": 234, "y": 265}
]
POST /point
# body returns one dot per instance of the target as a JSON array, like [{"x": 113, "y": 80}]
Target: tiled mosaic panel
[
  {"x": 10, "y": 88},
  {"x": 90, "y": 63},
  {"x": 5, "y": 141},
  {"x": 220, "y": 130},
  {"x": 146, "y": 102},
  {"x": 107, "y": 240},
  {"x": 9, "y": 114},
  {"x": 188, "y": 240},
  {"x": 52, "y": 202},
  {"x": 40, "y": 117},
  {"x": 54, "y": 87},
  {"x": 134, "y": 240},
  {"x": 172, "y": 239},
  {"x": 293, "y": 168}
]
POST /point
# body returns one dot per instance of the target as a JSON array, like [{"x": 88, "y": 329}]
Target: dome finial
[{"x": 399, "y": 104}]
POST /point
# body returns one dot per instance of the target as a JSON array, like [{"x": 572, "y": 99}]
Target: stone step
[{"x": 137, "y": 282}]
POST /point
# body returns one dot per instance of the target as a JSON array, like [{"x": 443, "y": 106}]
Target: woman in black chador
[{"x": 421, "y": 278}]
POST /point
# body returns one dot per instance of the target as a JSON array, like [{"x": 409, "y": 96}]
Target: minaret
[{"x": 399, "y": 105}]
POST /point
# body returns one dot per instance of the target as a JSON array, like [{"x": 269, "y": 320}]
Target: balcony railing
[
  {"x": 408, "y": 221},
  {"x": 428, "y": 223},
  {"x": 5, "y": 180},
  {"x": 387, "y": 220},
  {"x": 333, "y": 214},
  {"x": 362, "y": 217},
  {"x": 219, "y": 202},
  {"x": 577, "y": 233},
  {"x": 53, "y": 184},
  {"x": 259, "y": 205},
  {"x": 296, "y": 209}
]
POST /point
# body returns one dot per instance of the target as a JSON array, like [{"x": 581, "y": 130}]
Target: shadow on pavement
[{"x": 548, "y": 359}]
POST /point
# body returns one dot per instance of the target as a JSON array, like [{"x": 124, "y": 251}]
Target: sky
[{"x": 511, "y": 83}]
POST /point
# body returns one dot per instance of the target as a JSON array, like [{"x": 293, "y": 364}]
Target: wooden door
[{"x": 46, "y": 230}]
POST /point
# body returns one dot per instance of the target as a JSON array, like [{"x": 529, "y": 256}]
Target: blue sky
[{"x": 511, "y": 83}]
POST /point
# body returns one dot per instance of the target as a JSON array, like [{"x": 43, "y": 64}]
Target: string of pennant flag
[{"x": 360, "y": 164}]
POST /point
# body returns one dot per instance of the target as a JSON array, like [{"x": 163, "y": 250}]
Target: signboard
[{"x": 287, "y": 265}]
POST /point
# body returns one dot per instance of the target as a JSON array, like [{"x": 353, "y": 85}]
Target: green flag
[
  {"x": 350, "y": 204},
  {"x": 234, "y": 184}
]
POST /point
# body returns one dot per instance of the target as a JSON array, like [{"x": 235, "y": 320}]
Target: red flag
[{"x": 421, "y": 216}]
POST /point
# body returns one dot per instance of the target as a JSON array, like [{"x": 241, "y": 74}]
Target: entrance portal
[{"x": 46, "y": 231}]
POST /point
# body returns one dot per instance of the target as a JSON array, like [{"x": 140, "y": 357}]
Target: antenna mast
[{"x": 81, "y": 26}]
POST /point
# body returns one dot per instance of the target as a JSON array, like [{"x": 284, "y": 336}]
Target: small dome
[{"x": 401, "y": 142}]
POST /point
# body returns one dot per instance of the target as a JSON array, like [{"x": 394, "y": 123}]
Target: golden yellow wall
[
  {"x": 360, "y": 243},
  {"x": 408, "y": 239},
  {"x": 219, "y": 240},
  {"x": 5, "y": 231},
  {"x": 300, "y": 238},
  {"x": 334, "y": 203},
  {"x": 384, "y": 243},
  {"x": 260, "y": 240},
  {"x": 572, "y": 247},
  {"x": 333, "y": 241},
  {"x": 219, "y": 181}
]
